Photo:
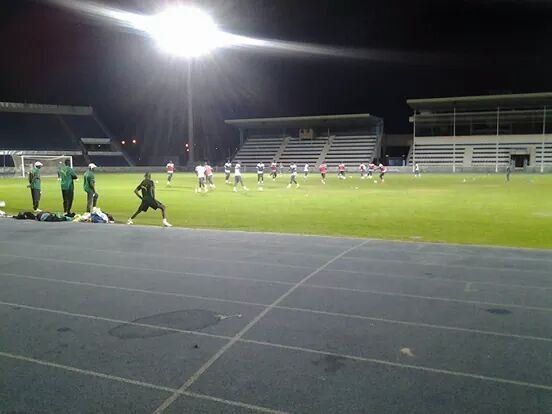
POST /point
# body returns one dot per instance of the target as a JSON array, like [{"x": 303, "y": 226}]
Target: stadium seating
[
  {"x": 115, "y": 159},
  {"x": 257, "y": 149},
  {"x": 303, "y": 151},
  {"x": 26, "y": 131},
  {"x": 352, "y": 150},
  {"x": 84, "y": 126}
]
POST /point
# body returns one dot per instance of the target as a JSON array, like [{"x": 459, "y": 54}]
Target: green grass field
[{"x": 483, "y": 209}]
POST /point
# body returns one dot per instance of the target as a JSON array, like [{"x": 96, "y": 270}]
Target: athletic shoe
[
  {"x": 129, "y": 222},
  {"x": 38, "y": 210},
  {"x": 166, "y": 223},
  {"x": 235, "y": 190}
]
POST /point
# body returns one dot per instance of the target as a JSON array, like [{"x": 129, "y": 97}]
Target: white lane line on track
[
  {"x": 291, "y": 308},
  {"x": 136, "y": 383},
  {"x": 246, "y": 329}
]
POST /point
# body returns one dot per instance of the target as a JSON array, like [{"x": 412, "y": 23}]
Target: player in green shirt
[
  {"x": 90, "y": 187},
  {"x": 66, "y": 177},
  {"x": 147, "y": 187},
  {"x": 34, "y": 185}
]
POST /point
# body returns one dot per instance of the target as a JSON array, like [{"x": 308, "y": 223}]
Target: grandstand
[
  {"x": 483, "y": 133},
  {"x": 51, "y": 131},
  {"x": 352, "y": 139}
]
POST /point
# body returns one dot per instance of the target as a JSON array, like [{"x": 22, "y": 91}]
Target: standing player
[
  {"x": 306, "y": 170},
  {"x": 323, "y": 171},
  {"x": 341, "y": 171},
  {"x": 293, "y": 176},
  {"x": 362, "y": 169},
  {"x": 371, "y": 169},
  {"x": 209, "y": 174},
  {"x": 58, "y": 170},
  {"x": 147, "y": 186},
  {"x": 238, "y": 177},
  {"x": 281, "y": 168},
  {"x": 170, "y": 172},
  {"x": 67, "y": 176},
  {"x": 227, "y": 169},
  {"x": 417, "y": 171},
  {"x": 260, "y": 173},
  {"x": 383, "y": 170},
  {"x": 508, "y": 171},
  {"x": 90, "y": 188},
  {"x": 34, "y": 185},
  {"x": 200, "y": 171},
  {"x": 274, "y": 170}
]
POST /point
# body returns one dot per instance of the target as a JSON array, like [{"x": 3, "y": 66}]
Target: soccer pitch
[{"x": 480, "y": 209}]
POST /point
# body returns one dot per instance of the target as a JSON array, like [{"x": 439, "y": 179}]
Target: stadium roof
[
  {"x": 33, "y": 108},
  {"x": 523, "y": 100},
  {"x": 306, "y": 121}
]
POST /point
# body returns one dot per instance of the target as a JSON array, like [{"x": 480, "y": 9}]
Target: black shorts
[{"x": 150, "y": 203}]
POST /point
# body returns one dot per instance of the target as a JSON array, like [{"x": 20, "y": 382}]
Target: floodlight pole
[
  {"x": 497, "y": 134},
  {"x": 191, "y": 144},
  {"x": 454, "y": 141}
]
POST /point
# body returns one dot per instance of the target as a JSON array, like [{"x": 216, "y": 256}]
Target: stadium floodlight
[{"x": 184, "y": 31}]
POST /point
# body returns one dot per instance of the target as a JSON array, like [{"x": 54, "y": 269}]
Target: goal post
[{"x": 50, "y": 163}]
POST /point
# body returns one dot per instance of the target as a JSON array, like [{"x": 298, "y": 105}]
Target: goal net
[{"x": 50, "y": 163}]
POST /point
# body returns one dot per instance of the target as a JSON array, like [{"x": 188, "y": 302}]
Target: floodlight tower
[{"x": 188, "y": 33}]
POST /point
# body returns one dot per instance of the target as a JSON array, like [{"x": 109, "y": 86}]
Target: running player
[
  {"x": 417, "y": 171},
  {"x": 227, "y": 169},
  {"x": 34, "y": 185},
  {"x": 371, "y": 169},
  {"x": 306, "y": 170},
  {"x": 274, "y": 170},
  {"x": 341, "y": 171},
  {"x": 383, "y": 170},
  {"x": 170, "y": 172},
  {"x": 362, "y": 169},
  {"x": 238, "y": 177},
  {"x": 200, "y": 171},
  {"x": 260, "y": 173},
  {"x": 147, "y": 186},
  {"x": 323, "y": 171},
  {"x": 293, "y": 176},
  {"x": 209, "y": 174}
]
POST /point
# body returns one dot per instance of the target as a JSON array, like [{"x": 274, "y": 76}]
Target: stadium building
[
  {"x": 351, "y": 139},
  {"x": 483, "y": 133},
  {"x": 52, "y": 133}
]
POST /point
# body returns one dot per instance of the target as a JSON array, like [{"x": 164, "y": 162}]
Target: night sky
[{"x": 415, "y": 48}]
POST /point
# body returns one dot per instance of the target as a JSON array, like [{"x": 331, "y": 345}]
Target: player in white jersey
[
  {"x": 260, "y": 173},
  {"x": 417, "y": 173},
  {"x": 170, "y": 172},
  {"x": 238, "y": 177},
  {"x": 227, "y": 169},
  {"x": 362, "y": 169},
  {"x": 293, "y": 175},
  {"x": 306, "y": 171},
  {"x": 200, "y": 171}
]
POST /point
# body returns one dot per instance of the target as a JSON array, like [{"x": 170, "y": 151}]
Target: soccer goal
[{"x": 50, "y": 163}]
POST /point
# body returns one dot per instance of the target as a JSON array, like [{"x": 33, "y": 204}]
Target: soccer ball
[
  {"x": 260, "y": 188},
  {"x": 156, "y": 181},
  {"x": 2, "y": 203}
]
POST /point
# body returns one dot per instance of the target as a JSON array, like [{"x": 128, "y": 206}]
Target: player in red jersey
[
  {"x": 341, "y": 171},
  {"x": 209, "y": 175},
  {"x": 274, "y": 170},
  {"x": 170, "y": 172},
  {"x": 323, "y": 170},
  {"x": 383, "y": 170}
]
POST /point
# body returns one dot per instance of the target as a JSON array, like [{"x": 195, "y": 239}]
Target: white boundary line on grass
[
  {"x": 137, "y": 383},
  {"x": 246, "y": 329},
  {"x": 290, "y": 308}
]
